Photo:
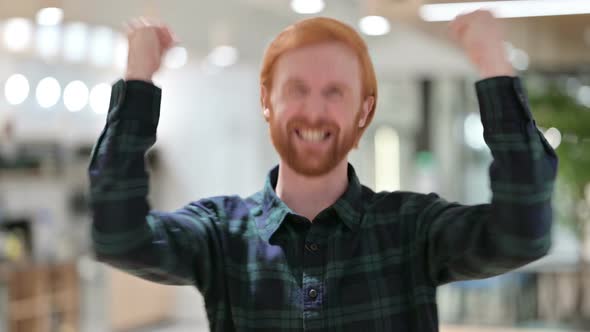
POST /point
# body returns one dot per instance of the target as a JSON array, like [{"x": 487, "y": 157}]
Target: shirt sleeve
[
  {"x": 171, "y": 248},
  {"x": 471, "y": 242}
]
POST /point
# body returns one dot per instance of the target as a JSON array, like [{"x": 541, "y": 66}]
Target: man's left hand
[{"x": 481, "y": 36}]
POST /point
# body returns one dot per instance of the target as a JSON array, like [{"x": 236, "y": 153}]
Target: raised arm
[
  {"x": 468, "y": 242},
  {"x": 172, "y": 248}
]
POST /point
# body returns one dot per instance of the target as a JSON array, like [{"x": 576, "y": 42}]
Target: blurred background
[{"x": 58, "y": 59}]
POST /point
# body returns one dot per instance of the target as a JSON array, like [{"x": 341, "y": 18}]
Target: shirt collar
[{"x": 274, "y": 211}]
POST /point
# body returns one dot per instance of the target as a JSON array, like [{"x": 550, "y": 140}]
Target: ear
[
  {"x": 265, "y": 100},
  {"x": 366, "y": 108}
]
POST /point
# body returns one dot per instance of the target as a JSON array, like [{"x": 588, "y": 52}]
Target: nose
[{"x": 315, "y": 108}]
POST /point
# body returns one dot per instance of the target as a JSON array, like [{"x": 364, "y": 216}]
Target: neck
[{"x": 308, "y": 196}]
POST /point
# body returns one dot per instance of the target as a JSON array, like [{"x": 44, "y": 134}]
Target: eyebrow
[
  {"x": 339, "y": 85},
  {"x": 294, "y": 81},
  {"x": 331, "y": 85}
]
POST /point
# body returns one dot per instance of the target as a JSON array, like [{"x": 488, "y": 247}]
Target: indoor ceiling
[{"x": 552, "y": 43}]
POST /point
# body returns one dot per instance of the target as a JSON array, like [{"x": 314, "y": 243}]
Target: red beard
[{"x": 311, "y": 162}]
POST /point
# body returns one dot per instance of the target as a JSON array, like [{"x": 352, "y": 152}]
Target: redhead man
[{"x": 315, "y": 250}]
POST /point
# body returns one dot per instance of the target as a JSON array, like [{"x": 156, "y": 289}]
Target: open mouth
[{"x": 312, "y": 135}]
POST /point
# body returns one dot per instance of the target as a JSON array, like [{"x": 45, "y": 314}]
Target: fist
[
  {"x": 148, "y": 43},
  {"x": 481, "y": 36}
]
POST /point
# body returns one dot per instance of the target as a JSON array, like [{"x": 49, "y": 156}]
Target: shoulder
[
  {"x": 397, "y": 202},
  {"x": 222, "y": 208}
]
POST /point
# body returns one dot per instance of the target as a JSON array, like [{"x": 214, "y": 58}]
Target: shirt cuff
[
  {"x": 135, "y": 100},
  {"x": 503, "y": 103}
]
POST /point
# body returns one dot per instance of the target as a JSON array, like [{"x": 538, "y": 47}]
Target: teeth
[{"x": 312, "y": 135}]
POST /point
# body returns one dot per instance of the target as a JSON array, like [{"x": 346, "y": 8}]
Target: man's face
[{"x": 315, "y": 108}]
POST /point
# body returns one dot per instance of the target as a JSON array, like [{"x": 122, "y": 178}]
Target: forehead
[{"x": 318, "y": 63}]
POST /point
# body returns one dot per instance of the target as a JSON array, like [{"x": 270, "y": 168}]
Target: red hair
[{"x": 319, "y": 30}]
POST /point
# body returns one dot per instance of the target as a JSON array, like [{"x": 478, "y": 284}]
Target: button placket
[
  {"x": 313, "y": 247},
  {"x": 313, "y": 293},
  {"x": 312, "y": 283}
]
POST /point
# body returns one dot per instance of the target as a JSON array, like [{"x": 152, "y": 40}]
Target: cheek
[
  {"x": 289, "y": 107},
  {"x": 345, "y": 118},
  {"x": 282, "y": 106},
  {"x": 279, "y": 118},
  {"x": 283, "y": 113}
]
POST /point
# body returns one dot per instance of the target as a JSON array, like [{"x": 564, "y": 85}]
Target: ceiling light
[
  {"x": 100, "y": 97},
  {"x": 120, "y": 51},
  {"x": 223, "y": 56},
  {"x": 553, "y": 136},
  {"x": 101, "y": 46},
  {"x": 50, "y": 16},
  {"x": 16, "y": 89},
  {"x": 505, "y": 9},
  {"x": 47, "y": 40},
  {"x": 75, "y": 96},
  {"x": 374, "y": 25},
  {"x": 48, "y": 92},
  {"x": 519, "y": 59},
  {"x": 473, "y": 132},
  {"x": 17, "y": 34},
  {"x": 176, "y": 57},
  {"x": 307, "y": 6},
  {"x": 75, "y": 41}
]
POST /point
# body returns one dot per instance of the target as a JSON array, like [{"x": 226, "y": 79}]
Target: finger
[
  {"x": 454, "y": 36},
  {"x": 135, "y": 23},
  {"x": 175, "y": 38},
  {"x": 459, "y": 24},
  {"x": 146, "y": 21},
  {"x": 485, "y": 13},
  {"x": 452, "y": 33},
  {"x": 454, "y": 29},
  {"x": 167, "y": 37},
  {"x": 461, "y": 19},
  {"x": 157, "y": 22},
  {"x": 131, "y": 26},
  {"x": 143, "y": 21}
]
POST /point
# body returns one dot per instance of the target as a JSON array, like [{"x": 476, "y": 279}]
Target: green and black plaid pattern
[{"x": 370, "y": 262}]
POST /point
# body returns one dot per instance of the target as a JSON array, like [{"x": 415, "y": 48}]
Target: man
[{"x": 315, "y": 250}]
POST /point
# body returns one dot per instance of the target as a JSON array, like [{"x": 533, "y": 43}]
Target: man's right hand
[{"x": 148, "y": 43}]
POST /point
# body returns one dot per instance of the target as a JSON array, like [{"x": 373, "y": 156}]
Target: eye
[
  {"x": 297, "y": 90},
  {"x": 334, "y": 92}
]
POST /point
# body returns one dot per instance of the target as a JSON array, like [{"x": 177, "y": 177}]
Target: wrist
[
  {"x": 131, "y": 75},
  {"x": 488, "y": 70}
]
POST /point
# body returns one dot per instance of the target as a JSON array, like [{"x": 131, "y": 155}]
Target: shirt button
[
  {"x": 313, "y": 293},
  {"x": 311, "y": 247}
]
